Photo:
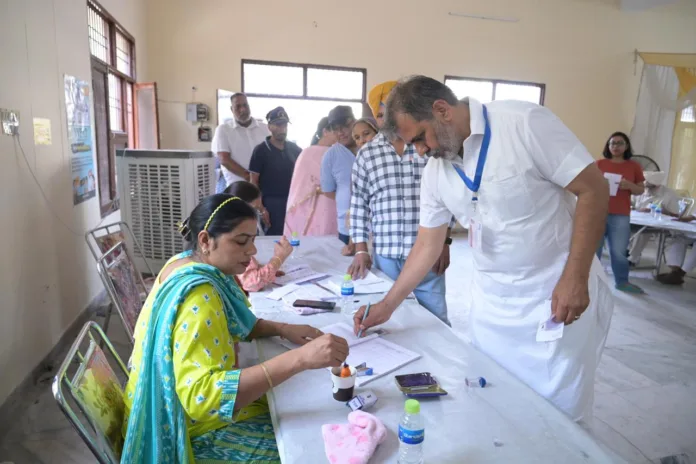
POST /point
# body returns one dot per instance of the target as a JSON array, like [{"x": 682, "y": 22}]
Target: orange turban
[{"x": 379, "y": 94}]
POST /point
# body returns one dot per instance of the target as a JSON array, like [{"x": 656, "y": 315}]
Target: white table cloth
[
  {"x": 504, "y": 422},
  {"x": 662, "y": 227},
  {"x": 666, "y": 223}
]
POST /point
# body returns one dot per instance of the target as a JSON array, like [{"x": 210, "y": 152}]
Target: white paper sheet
[
  {"x": 298, "y": 274},
  {"x": 340, "y": 330},
  {"x": 614, "y": 180},
  {"x": 306, "y": 292},
  {"x": 382, "y": 356},
  {"x": 280, "y": 292},
  {"x": 369, "y": 285}
]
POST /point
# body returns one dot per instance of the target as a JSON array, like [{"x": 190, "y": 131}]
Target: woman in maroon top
[{"x": 617, "y": 154}]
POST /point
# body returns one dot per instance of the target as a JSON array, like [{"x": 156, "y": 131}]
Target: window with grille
[
  {"x": 688, "y": 114},
  {"x": 488, "y": 90},
  {"x": 113, "y": 76},
  {"x": 307, "y": 92}
]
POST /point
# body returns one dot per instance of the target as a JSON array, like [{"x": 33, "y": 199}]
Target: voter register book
[{"x": 379, "y": 354}]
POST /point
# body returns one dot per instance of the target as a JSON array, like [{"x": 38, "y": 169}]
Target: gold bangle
[
  {"x": 268, "y": 376},
  {"x": 280, "y": 263}
]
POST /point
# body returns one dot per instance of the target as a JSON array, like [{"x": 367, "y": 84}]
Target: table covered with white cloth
[
  {"x": 504, "y": 422},
  {"x": 663, "y": 227}
]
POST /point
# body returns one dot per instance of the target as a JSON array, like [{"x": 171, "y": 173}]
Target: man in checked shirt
[{"x": 385, "y": 200}]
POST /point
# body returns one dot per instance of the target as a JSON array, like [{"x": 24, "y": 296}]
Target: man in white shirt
[
  {"x": 658, "y": 193},
  {"x": 234, "y": 141},
  {"x": 536, "y": 218}
]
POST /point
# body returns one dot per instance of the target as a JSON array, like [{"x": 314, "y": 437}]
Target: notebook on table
[{"x": 381, "y": 355}]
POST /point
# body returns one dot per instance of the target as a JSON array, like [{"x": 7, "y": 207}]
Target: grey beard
[{"x": 447, "y": 139}]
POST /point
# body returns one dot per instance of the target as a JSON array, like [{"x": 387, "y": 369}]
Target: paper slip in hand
[{"x": 549, "y": 330}]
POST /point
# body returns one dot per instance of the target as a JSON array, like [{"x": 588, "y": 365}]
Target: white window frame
[{"x": 495, "y": 82}]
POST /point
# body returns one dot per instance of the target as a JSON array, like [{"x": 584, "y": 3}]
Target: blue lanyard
[{"x": 476, "y": 184}]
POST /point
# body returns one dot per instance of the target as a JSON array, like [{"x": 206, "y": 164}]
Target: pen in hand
[{"x": 367, "y": 310}]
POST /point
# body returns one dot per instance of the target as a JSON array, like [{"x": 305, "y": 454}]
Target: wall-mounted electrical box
[
  {"x": 205, "y": 134},
  {"x": 196, "y": 112}
]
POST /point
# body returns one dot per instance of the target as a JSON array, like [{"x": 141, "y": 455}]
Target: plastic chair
[
  {"x": 124, "y": 284},
  {"x": 97, "y": 391},
  {"x": 102, "y": 239}
]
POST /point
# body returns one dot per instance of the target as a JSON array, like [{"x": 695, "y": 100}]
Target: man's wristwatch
[{"x": 448, "y": 241}]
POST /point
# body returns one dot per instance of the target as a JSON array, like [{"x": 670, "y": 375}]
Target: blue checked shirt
[{"x": 386, "y": 197}]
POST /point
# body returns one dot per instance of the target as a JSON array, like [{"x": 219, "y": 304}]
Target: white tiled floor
[{"x": 645, "y": 405}]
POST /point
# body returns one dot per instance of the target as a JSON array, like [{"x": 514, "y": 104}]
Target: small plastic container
[{"x": 475, "y": 382}]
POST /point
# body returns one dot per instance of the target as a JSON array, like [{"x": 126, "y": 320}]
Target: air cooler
[{"x": 158, "y": 189}]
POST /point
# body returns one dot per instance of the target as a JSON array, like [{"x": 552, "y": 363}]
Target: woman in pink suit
[{"x": 311, "y": 212}]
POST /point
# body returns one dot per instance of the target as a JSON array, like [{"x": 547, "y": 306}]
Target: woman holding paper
[
  {"x": 625, "y": 179},
  {"x": 257, "y": 276},
  {"x": 186, "y": 399}
]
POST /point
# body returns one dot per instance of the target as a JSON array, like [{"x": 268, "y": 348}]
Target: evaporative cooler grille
[
  {"x": 156, "y": 208},
  {"x": 158, "y": 190},
  {"x": 203, "y": 184}
]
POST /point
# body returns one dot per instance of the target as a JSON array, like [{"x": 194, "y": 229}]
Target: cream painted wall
[
  {"x": 47, "y": 276},
  {"x": 581, "y": 49}
]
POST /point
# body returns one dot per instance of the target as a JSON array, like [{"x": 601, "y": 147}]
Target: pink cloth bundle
[{"x": 355, "y": 442}]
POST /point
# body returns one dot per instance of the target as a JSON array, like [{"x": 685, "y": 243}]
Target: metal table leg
[{"x": 660, "y": 251}]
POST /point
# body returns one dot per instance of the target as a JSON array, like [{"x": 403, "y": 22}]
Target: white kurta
[
  {"x": 527, "y": 220},
  {"x": 239, "y": 142}
]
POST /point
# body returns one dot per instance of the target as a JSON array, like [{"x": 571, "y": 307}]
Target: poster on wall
[{"x": 77, "y": 105}]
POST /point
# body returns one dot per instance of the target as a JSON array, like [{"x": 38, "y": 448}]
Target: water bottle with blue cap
[
  {"x": 347, "y": 293},
  {"x": 295, "y": 244}
]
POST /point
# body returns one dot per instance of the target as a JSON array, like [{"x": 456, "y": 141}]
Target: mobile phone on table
[
  {"x": 422, "y": 380},
  {"x": 325, "y": 305},
  {"x": 421, "y": 385}
]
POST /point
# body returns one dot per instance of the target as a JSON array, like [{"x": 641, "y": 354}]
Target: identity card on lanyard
[{"x": 475, "y": 227}]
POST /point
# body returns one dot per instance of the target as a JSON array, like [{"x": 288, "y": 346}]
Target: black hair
[
  {"x": 244, "y": 190},
  {"x": 235, "y": 95},
  {"x": 224, "y": 220},
  {"x": 628, "y": 154},
  {"x": 340, "y": 115},
  {"x": 321, "y": 127},
  {"x": 415, "y": 96}
]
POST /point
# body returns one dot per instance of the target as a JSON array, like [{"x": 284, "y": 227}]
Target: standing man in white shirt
[
  {"x": 536, "y": 205},
  {"x": 234, "y": 141}
]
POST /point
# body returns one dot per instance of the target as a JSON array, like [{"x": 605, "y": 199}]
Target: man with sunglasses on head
[
  {"x": 235, "y": 140},
  {"x": 337, "y": 165}
]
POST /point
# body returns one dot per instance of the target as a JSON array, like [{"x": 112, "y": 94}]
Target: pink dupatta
[{"x": 309, "y": 212}]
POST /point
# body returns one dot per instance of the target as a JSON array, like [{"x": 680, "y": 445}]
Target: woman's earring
[{"x": 206, "y": 252}]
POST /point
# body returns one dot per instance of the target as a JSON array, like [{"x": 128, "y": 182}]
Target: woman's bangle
[
  {"x": 268, "y": 376},
  {"x": 362, "y": 253},
  {"x": 280, "y": 263}
]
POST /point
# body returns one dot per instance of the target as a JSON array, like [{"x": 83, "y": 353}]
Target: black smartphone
[
  {"x": 422, "y": 380},
  {"x": 325, "y": 305}
]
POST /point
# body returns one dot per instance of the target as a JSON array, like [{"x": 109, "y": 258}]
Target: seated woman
[
  {"x": 186, "y": 399},
  {"x": 256, "y": 277}
]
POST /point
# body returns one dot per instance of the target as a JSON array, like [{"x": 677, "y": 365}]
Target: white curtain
[{"x": 653, "y": 126}]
